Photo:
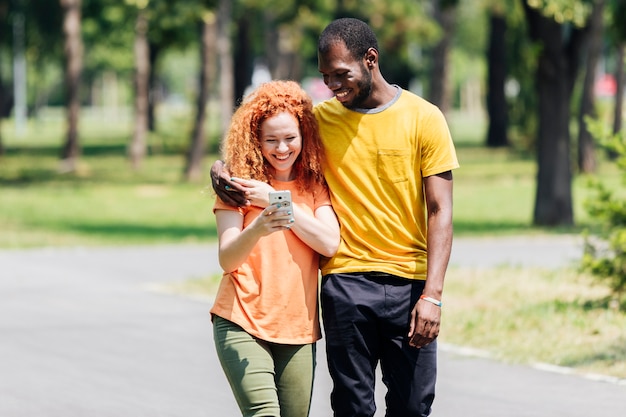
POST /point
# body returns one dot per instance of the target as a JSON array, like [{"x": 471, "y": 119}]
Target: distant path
[
  {"x": 527, "y": 251},
  {"x": 83, "y": 333}
]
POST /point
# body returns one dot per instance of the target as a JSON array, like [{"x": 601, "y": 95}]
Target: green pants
[{"x": 267, "y": 379}]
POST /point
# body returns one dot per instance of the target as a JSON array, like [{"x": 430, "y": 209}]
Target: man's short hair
[{"x": 354, "y": 33}]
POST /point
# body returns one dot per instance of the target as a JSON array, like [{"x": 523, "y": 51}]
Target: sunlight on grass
[
  {"x": 78, "y": 214},
  {"x": 106, "y": 202},
  {"x": 519, "y": 315},
  {"x": 530, "y": 316},
  {"x": 494, "y": 192}
]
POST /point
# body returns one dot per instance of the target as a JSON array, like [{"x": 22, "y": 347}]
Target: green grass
[
  {"x": 536, "y": 316},
  {"x": 96, "y": 214},
  {"x": 494, "y": 193},
  {"x": 518, "y": 315},
  {"x": 106, "y": 203}
]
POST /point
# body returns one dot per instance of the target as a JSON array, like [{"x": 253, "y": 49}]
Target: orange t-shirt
[{"x": 273, "y": 294}]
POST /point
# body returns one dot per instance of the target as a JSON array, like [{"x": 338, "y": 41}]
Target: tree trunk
[
  {"x": 195, "y": 154},
  {"x": 74, "y": 62},
  {"x": 555, "y": 76},
  {"x": 138, "y": 146},
  {"x": 270, "y": 41},
  {"x": 153, "y": 93},
  {"x": 496, "y": 98},
  {"x": 4, "y": 8},
  {"x": 2, "y": 98},
  {"x": 289, "y": 65},
  {"x": 243, "y": 64},
  {"x": 587, "y": 162},
  {"x": 226, "y": 68},
  {"x": 440, "y": 91},
  {"x": 620, "y": 79}
]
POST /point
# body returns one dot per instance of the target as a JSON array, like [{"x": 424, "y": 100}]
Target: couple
[{"x": 383, "y": 156}]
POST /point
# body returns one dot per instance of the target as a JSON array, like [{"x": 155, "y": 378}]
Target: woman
[{"x": 265, "y": 314}]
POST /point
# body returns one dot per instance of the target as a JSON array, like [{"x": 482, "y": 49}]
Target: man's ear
[{"x": 371, "y": 57}]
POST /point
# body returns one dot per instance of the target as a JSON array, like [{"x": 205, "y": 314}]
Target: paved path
[{"x": 83, "y": 333}]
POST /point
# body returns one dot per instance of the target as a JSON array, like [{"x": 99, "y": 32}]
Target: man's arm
[
  {"x": 229, "y": 191},
  {"x": 426, "y": 316}
]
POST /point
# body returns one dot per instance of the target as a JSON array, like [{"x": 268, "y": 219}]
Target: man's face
[{"x": 348, "y": 78}]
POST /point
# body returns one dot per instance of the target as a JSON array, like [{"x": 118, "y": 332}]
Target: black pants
[{"x": 366, "y": 321}]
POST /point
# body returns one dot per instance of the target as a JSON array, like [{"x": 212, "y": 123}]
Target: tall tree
[
  {"x": 195, "y": 153},
  {"x": 4, "y": 96},
  {"x": 243, "y": 55},
  {"x": 283, "y": 38},
  {"x": 169, "y": 26},
  {"x": 224, "y": 51},
  {"x": 440, "y": 87},
  {"x": 587, "y": 160},
  {"x": 620, "y": 80},
  {"x": 154, "y": 53},
  {"x": 137, "y": 148},
  {"x": 555, "y": 76},
  {"x": 617, "y": 32},
  {"x": 73, "y": 68},
  {"x": 497, "y": 110}
]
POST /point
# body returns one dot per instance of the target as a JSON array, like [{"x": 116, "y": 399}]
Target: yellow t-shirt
[
  {"x": 375, "y": 165},
  {"x": 273, "y": 294}
]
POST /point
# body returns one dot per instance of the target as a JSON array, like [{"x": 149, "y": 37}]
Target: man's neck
[{"x": 382, "y": 93}]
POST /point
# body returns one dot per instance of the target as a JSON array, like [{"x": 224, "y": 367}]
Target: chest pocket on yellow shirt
[{"x": 393, "y": 165}]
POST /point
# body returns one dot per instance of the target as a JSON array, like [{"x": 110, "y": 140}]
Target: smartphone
[{"x": 281, "y": 199}]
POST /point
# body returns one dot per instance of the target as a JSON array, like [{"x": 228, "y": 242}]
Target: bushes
[{"x": 605, "y": 251}]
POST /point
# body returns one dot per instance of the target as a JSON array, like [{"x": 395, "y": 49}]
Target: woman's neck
[{"x": 284, "y": 176}]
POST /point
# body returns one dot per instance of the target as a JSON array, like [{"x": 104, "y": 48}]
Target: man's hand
[
  {"x": 425, "y": 321},
  {"x": 257, "y": 192},
  {"x": 229, "y": 191}
]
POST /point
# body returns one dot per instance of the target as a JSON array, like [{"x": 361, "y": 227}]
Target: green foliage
[
  {"x": 564, "y": 10},
  {"x": 116, "y": 20},
  {"x": 605, "y": 252},
  {"x": 617, "y": 12},
  {"x": 522, "y": 56}
]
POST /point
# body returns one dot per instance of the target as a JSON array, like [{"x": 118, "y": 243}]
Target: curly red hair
[{"x": 241, "y": 148}]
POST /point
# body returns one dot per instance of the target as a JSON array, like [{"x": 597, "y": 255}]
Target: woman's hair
[{"x": 241, "y": 148}]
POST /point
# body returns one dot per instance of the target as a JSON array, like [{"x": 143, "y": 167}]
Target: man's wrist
[{"x": 432, "y": 300}]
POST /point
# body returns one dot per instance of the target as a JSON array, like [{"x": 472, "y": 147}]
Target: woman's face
[{"x": 281, "y": 143}]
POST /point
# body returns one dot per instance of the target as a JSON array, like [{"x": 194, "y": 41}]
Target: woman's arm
[
  {"x": 235, "y": 242},
  {"x": 320, "y": 232}
]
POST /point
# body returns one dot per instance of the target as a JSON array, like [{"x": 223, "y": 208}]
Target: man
[{"x": 389, "y": 158}]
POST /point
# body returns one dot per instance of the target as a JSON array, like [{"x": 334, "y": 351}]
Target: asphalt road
[{"x": 90, "y": 333}]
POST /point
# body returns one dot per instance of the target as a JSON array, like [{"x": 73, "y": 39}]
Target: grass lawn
[
  {"x": 518, "y": 315},
  {"x": 106, "y": 203},
  {"x": 536, "y": 316}
]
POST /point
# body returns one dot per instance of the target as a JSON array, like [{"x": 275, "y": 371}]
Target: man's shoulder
[
  {"x": 330, "y": 105},
  {"x": 415, "y": 99}
]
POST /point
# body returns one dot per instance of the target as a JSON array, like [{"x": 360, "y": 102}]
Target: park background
[{"x": 112, "y": 113}]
